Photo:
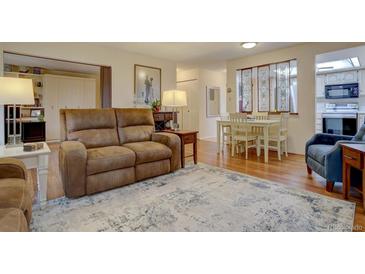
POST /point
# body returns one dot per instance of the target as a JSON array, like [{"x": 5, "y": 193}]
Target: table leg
[
  {"x": 347, "y": 180},
  {"x": 344, "y": 180},
  {"x": 266, "y": 144},
  {"x": 195, "y": 150},
  {"x": 42, "y": 178},
  {"x": 182, "y": 153},
  {"x": 218, "y": 138}
]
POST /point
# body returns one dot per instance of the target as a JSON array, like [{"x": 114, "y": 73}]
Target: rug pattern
[{"x": 198, "y": 198}]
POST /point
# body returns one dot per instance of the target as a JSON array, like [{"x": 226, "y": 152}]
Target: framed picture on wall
[
  {"x": 147, "y": 85},
  {"x": 213, "y": 101}
]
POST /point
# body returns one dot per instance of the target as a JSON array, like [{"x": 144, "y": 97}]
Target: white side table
[{"x": 34, "y": 159}]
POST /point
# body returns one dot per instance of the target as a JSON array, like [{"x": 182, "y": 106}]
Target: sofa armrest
[
  {"x": 12, "y": 168},
  {"x": 72, "y": 164},
  {"x": 325, "y": 139},
  {"x": 173, "y": 142},
  {"x": 328, "y": 139}
]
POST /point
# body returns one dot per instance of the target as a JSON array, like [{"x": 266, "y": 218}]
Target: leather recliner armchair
[
  {"x": 323, "y": 155},
  {"x": 16, "y": 196}
]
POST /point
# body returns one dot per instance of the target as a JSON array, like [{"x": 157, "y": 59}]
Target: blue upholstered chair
[{"x": 323, "y": 155}]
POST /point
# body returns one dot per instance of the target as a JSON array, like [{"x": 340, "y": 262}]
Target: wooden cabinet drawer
[
  {"x": 159, "y": 117},
  {"x": 168, "y": 116},
  {"x": 353, "y": 158},
  {"x": 188, "y": 139}
]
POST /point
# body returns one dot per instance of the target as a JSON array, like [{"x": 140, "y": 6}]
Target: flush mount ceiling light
[{"x": 248, "y": 45}]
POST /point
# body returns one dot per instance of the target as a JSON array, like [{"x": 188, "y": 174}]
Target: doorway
[
  {"x": 57, "y": 84},
  {"x": 190, "y": 113}
]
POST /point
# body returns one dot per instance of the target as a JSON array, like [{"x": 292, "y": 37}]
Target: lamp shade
[
  {"x": 16, "y": 91},
  {"x": 174, "y": 98}
]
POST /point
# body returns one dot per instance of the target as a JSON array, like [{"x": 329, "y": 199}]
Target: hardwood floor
[{"x": 291, "y": 171}]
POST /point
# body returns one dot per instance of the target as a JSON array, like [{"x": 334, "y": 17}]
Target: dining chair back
[
  {"x": 278, "y": 135},
  {"x": 259, "y": 116},
  {"x": 242, "y": 136},
  {"x": 227, "y": 130}
]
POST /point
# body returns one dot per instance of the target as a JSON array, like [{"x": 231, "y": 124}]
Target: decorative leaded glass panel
[
  {"x": 282, "y": 73},
  {"x": 263, "y": 75},
  {"x": 239, "y": 88},
  {"x": 247, "y": 90},
  {"x": 273, "y": 87}
]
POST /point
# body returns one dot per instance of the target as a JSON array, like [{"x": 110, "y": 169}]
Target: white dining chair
[
  {"x": 226, "y": 130},
  {"x": 242, "y": 136},
  {"x": 278, "y": 135},
  {"x": 259, "y": 116}
]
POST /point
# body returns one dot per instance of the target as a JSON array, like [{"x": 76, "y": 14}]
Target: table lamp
[
  {"x": 15, "y": 91},
  {"x": 174, "y": 99}
]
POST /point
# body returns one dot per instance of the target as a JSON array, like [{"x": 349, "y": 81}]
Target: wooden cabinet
[
  {"x": 187, "y": 137},
  {"x": 161, "y": 118},
  {"x": 353, "y": 156},
  {"x": 65, "y": 92},
  {"x": 33, "y": 132}
]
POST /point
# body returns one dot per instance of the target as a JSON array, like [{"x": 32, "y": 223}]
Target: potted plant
[{"x": 156, "y": 105}]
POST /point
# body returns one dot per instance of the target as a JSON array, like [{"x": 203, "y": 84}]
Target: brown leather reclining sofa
[{"x": 108, "y": 148}]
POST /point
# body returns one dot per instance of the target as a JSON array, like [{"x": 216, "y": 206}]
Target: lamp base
[
  {"x": 14, "y": 141},
  {"x": 175, "y": 126}
]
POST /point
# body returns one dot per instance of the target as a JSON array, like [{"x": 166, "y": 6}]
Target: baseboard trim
[{"x": 207, "y": 137}]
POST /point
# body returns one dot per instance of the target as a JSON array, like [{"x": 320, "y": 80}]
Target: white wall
[
  {"x": 302, "y": 126},
  {"x": 208, "y": 125},
  {"x": 122, "y": 64},
  {"x": 205, "y": 77}
]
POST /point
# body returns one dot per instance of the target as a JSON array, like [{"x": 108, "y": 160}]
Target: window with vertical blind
[{"x": 268, "y": 88}]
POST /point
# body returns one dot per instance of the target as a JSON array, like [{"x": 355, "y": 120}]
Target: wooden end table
[
  {"x": 353, "y": 155},
  {"x": 186, "y": 137}
]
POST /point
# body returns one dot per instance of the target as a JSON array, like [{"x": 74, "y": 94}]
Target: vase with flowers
[{"x": 156, "y": 105}]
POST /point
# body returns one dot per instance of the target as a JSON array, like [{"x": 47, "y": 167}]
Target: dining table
[{"x": 264, "y": 124}]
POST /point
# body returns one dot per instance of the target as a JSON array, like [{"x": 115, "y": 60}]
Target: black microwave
[{"x": 342, "y": 91}]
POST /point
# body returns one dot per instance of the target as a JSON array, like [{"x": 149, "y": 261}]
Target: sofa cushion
[
  {"x": 104, "y": 159},
  {"x": 319, "y": 152},
  {"x": 152, "y": 169},
  {"x": 12, "y": 220},
  {"x": 17, "y": 193},
  {"x": 92, "y": 127},
  {"x": 149, "y": 151},
  {"x": 134, "y": 124}
]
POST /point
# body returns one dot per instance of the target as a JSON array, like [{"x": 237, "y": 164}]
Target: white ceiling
[
  {"x": 187, "y": 53},
  {"x": 343, "y": 54},
  {"x": 22, "y": 60}
]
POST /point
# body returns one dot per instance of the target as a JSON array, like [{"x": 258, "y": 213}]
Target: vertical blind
[{"x": 268, "y": 88}]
